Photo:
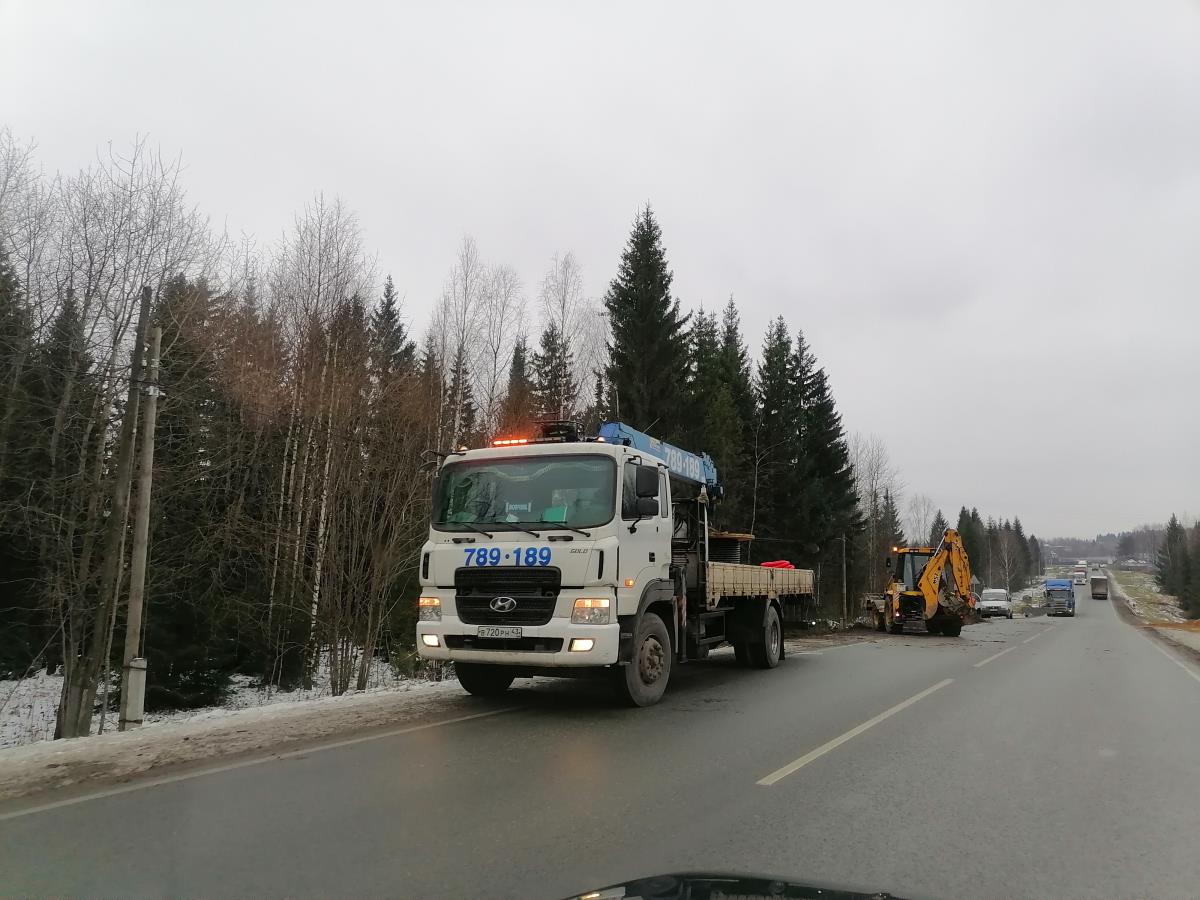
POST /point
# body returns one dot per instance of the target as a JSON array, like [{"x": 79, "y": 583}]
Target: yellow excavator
[{"x": 930, "y": 585}]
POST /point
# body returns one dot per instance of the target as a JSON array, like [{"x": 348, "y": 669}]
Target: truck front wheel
[
  {"x": 643, "y": 681},
  {"x": 482, "y": 680}
]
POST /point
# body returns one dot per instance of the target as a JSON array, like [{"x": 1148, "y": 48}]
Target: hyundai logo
[{"x": 503, "y": 604}]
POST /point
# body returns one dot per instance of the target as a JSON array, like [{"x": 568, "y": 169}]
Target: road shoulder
[
  {"x": 99, "y": 760},
  {"x": 1182, "y": 638}
]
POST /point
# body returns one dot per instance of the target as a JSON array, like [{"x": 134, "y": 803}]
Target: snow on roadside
[
  {"x": 219, "y": 733},
  {"x": 28, "y": 706}
]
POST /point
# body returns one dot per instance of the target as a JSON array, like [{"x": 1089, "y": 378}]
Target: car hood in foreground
[{"x": 707, "y": 886}]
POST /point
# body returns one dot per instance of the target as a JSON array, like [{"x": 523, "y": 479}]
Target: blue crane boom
[{"x": 698, "y": 468}]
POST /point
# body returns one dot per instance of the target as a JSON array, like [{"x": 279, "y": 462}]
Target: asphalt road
[{"x": 1029, "y": 758}]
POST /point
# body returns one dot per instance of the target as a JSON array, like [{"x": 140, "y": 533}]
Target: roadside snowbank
[
  {"x": 220, "y": 733},
  {"x": 28, "y": 707}
]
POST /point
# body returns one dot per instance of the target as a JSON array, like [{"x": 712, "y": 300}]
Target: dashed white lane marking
[
  {"x": 797, "y": 765},
  {"x": 993, "y": 656}
]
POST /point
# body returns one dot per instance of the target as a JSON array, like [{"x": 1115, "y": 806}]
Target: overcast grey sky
[{"x": 986, "y": 217}]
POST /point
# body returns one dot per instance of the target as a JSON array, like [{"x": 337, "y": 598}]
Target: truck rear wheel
[
  {"x": 880, "y": 621},
  {"x": 482, "y": 680},
  {"x": 644, "y": 680},
  {"x": 767, "y": 653}
]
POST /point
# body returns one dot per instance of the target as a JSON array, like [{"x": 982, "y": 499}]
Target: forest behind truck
[{"x": 295, "y": 396}]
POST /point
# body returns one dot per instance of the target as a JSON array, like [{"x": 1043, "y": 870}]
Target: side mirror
[
  {"x": 646, "y": 482},
  {"x": 647, "y": 507}
]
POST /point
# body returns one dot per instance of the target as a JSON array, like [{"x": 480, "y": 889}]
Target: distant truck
[
  {"x": 1099, "y": 587},
  {"x": 1080, "y": 573},
  {"x": 1060, "y": 597}
]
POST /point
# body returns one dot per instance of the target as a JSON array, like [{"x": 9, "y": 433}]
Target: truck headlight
[
  {"x": 429, "y": 609},
  {"x": 590, "y": 611}
]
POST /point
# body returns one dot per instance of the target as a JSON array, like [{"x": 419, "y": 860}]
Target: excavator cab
[{"x": 910, "y": 564}]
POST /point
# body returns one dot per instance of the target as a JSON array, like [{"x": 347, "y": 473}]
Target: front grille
[
  {"x": 535, "y": 591},
  {"x": 529, "y": 644}
]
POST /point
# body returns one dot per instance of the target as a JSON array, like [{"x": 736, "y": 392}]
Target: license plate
[{"x": 498, "y": 631}]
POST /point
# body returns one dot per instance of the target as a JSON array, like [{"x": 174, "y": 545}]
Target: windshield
[
  {"x": 911, "y": 565},
  {"x": 567, "y": 491},
  {"x": 1060, "y": 594}
]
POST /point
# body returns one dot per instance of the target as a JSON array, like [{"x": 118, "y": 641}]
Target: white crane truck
[{"x": 566, "y": 555}]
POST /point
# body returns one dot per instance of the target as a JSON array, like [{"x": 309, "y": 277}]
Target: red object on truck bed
[{"x": 777, "y": 564}]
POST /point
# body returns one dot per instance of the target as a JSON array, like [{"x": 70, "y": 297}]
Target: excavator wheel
[
  {"x": 896, "y": 627},
  {"x": 933, "y": 627},
  {"x": 953, "y": 628}
]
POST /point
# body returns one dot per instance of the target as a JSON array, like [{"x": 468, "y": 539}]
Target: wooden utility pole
[
  {"x": 79, "y": 688},
  {"x": 133, "y": 672}
]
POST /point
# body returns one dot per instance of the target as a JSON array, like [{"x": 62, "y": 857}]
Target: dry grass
[{"x": 1149, "y": 603}]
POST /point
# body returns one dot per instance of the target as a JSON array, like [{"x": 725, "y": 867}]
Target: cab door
[{"x": 646, "y": 539}]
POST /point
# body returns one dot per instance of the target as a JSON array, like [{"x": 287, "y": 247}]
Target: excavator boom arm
[{"x": 950, "y": 552}]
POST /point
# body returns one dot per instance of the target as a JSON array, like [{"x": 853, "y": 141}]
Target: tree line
[
  {"x": 289, "y": 500},
  {"x": 1177, "y": 565},
  {"x": 296, "y": 404}
]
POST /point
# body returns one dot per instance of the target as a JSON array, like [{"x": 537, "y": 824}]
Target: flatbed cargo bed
[{"x": 733, "y": 580}]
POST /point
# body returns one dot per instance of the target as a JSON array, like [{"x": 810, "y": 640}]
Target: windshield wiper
[
  {"x": 514, "y": 526},
  {"x": 565, "y": 527},
  {"x": 474, "y": 528}
]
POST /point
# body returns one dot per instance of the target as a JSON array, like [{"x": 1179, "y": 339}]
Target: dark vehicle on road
[{"x": 1060, "y": 597}]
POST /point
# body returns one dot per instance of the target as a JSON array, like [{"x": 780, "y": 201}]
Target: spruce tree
[
  {"x": 460, "y": 402},
  {"x": 735, "y": 362},
  {"x": 833, "y": 500},
  {"x": 18, "y": 553},
  {"x": 1026, "y": 556},
  {"x": 555, "y": 392},
  {"x": 393, "y": 352},
  {"x": 648, "y": 355},
  {"x": 517, "y": 412},
  {"x": 705, "y": 376},
  {"x": 774, "y": 443},
  {"x": 937, "y": 529},
  {"x": 890, "y": 527},
  {"x": 730, "y": 423},
  {"x": 196, "y": 582},
  {"x": 1036, "y": 563},
  {"x": 1173, "y": 566},
  {"x": 1191, "y": 592}
]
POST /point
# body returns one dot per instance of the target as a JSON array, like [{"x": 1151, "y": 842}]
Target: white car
[{"x": 995, "y": 602}]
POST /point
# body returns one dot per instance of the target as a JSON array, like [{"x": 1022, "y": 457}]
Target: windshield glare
[{"x": 574, "y": 491}]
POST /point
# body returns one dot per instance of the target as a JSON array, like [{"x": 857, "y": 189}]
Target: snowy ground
[
  {"x": 1145, "y": 598},
  {"x": 27, "y": 707},
  {"x": 208, "y": 736}
]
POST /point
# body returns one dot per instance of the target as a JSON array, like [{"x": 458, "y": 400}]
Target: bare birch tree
[
  {"x": 503, "y": 309},
  {"x": 921, "y": 510}
]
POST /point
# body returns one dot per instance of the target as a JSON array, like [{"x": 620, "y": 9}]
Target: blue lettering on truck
[{"x": 518, "y": 556}]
